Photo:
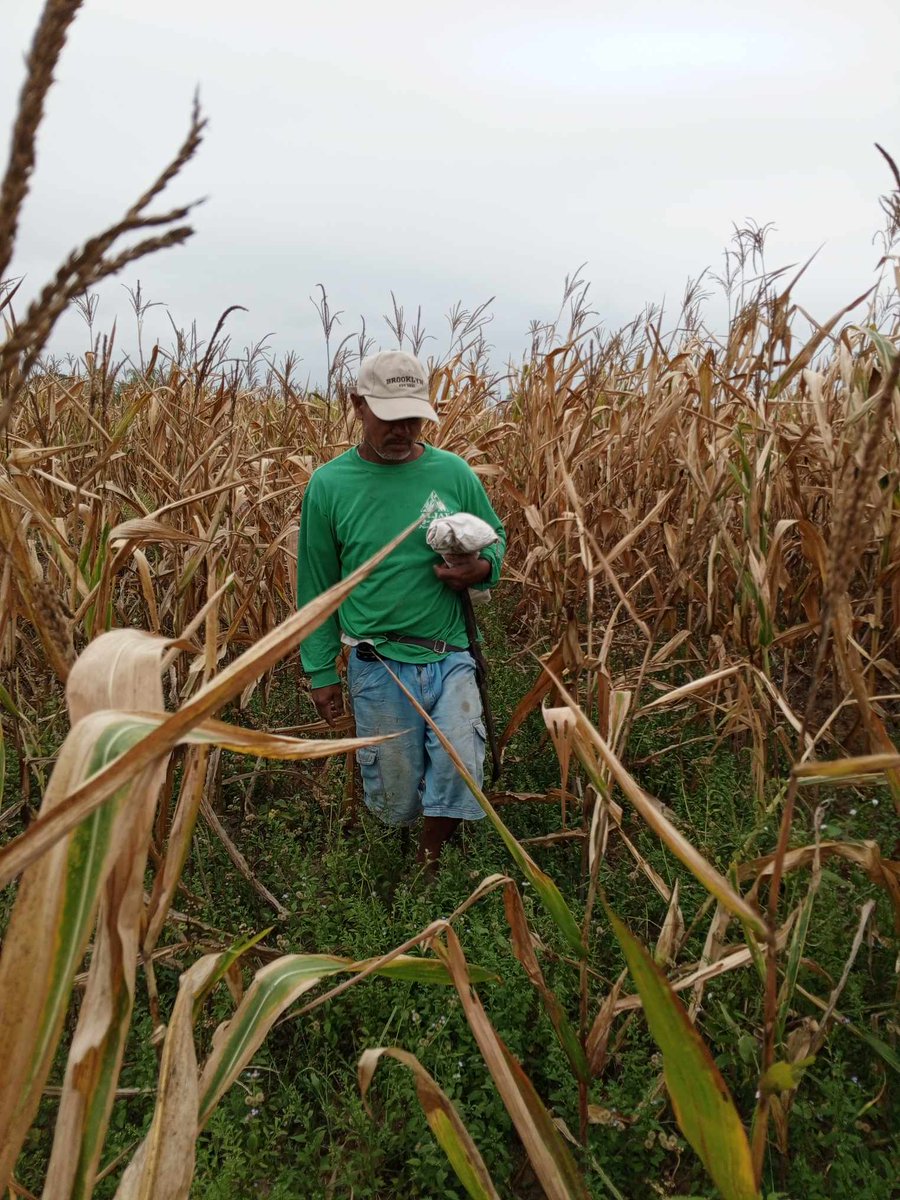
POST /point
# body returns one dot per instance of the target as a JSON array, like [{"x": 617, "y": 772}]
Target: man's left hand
[{"x": 463, "y": 571}]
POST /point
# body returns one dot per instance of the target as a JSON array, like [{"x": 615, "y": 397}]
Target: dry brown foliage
[{"x": 667, "y": 501}]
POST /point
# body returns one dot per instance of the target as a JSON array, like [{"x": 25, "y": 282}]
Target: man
[{"x": 407, "y": 616}]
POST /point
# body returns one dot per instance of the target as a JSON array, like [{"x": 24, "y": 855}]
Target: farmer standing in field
[{"x": 407, "y": 616}]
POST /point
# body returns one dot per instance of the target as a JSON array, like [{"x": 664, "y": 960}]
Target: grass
[{"x": 295, "y": 1125}]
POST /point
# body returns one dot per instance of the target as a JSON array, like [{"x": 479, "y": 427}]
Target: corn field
[{"x": 701, "y": 528}]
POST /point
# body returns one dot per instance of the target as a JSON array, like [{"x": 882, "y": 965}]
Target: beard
[{"x": 391, "y": 455}]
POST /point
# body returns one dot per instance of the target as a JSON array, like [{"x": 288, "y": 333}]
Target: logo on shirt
[{"x": 433, "y": 508}]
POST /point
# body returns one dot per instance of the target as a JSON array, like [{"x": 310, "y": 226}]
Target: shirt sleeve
[
  {"x": 478, "y": 504},
  {"x": 318, "y": 569}
]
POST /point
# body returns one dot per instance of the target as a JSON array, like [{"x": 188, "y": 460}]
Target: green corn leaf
[
  {"x": 274, "y": 989},
  {"x": 49, "y": 929},
  {"x": 440, "y": 1113},
  {"x": 8, "y": 703},
  {"x": 114, "y": 671},
  {"x": 85, "y": 872},
  {"x": 162, "y": 1167},
  {"x": 884, "y": 348},
  {"x": 523, "y": 949},
  {"x": 700, "y": 1098},
  {"x": 225, "y": 960},
  {"x": 795, "y": 953},
  {"x": 547, "y": 891}
]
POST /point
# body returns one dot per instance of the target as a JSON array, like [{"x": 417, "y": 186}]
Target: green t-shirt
[{"x": 351, "y": 508}]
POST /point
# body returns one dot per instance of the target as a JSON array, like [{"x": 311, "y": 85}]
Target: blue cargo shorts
[{"x": 412, "y": 774}]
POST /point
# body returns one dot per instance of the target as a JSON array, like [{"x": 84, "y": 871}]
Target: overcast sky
[{"x": 460, "y": 151}]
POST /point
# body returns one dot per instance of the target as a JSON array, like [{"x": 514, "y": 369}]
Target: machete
[{"x": 481, "y": 679}]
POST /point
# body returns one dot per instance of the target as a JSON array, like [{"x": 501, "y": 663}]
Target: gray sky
[{"x": 459, "y": 151}]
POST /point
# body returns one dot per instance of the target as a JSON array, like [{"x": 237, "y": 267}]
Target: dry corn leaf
[
  {"x": 546, "y": 1150},
  {"x": 86, "y": 798}
]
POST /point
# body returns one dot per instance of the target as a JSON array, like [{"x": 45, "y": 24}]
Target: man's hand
[
  {"x": 463, "y": 571},
  {"x": 329, "y": 702}
]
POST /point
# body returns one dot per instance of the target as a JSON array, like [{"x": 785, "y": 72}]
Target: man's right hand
[{"x": 329, "y": 702}]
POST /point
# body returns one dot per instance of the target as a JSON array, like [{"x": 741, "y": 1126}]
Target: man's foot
[{"x": 436, "y": 832}]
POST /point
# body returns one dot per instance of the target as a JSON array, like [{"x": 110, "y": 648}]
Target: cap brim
[{"x": 401, "y": 408}]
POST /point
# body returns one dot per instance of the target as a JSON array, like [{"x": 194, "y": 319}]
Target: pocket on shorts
[
  {"x": 370, "y": 770},
  {"x": 478, "y": 729}
]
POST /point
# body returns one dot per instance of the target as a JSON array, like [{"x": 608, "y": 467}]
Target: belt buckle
[{"x": 440, "y": 647}]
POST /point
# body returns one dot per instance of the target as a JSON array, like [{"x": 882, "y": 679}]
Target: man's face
[{"x": 391, "y": 440}]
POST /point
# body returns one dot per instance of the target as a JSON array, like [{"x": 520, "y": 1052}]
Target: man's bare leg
[{"x": 436, "y": 832}]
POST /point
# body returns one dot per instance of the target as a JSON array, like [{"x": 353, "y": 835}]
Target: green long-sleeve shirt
[{"x": 351, "y": 508}]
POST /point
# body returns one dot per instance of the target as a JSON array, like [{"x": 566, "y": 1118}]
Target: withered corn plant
[
  {"x": 102, "y": 255},
  {"x": 700, "y": 526},
  {"x": 695, "y": 527},
  {"x": 82, "y": 864},
  {"x": 861, "y": 511},
  {"x": 668, "y": 498},
  {"x": 769, "y": 941}
]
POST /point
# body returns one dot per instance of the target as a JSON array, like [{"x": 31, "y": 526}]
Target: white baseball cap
[{"x": 395, "y": 386}]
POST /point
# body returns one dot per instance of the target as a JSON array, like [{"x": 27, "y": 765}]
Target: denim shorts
[{"x": 412, "y": 774}]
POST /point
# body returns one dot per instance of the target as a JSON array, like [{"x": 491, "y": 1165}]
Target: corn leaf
[
  {"x": 595, "y": 753},
  {"x": 549, "y": 1156},
  {"x": 700, "y": 1098},
  {"x": 230, "y": 682},
  {"x": 163, "y": 1166},
  {"x": 274, "y": 989},
  {"x": 524, "y": 952},
  {"x": 118, "y": 670},
  {"x": 440, "y": 1113},
  {"x": 50, "y": 925}
]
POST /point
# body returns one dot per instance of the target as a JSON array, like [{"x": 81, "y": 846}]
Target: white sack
[{"x": 462, "y": 533}]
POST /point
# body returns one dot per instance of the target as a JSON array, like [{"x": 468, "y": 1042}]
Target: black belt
[{"x": 436, "y": 646}]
